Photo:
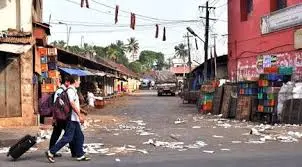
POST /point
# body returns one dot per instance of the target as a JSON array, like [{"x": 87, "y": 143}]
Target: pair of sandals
[{"x": 51, "y": 159}]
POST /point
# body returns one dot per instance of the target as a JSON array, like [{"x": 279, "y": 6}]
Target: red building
[{"x": 264, "y": 33}]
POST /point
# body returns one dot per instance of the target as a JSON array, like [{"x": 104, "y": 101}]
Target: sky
[{"x": 97, "y": 27}]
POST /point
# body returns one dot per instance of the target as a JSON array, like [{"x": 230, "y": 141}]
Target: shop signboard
[{"x": 281, "y": 19}]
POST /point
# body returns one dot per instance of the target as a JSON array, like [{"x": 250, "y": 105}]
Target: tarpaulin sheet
[
  {"x": 165, "y": 77},
  {"x": 78, "y": 72}
]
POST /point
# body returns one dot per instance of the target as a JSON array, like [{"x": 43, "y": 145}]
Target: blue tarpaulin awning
[{"x": 74, "y": 71}]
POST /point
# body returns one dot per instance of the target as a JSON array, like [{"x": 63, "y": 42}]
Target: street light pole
[{"x": 68, "y": 28}]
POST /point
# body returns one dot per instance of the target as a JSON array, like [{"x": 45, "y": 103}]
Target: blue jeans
[{"x": 73, "y": 134}]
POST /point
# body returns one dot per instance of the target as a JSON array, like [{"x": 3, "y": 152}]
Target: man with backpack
[
  {"x": 59, "y": 125},
  {"x": 68, "y": 108}
]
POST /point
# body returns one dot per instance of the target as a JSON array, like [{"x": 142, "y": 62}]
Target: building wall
[
  {"x": 8, "y": 9},
  {"x": 246, "y": 42},
  {"x": 28, "y": 117}
]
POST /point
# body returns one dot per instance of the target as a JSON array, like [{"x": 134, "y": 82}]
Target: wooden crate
[
  {"x": 48, "y": 88},
  {"x": 44, "y": 67},
  {"x": 53, "y": 74},
  {"x": 42, "y": 51},
  {"x": 218, "y": 95},
  {"x": 52, "y": 52},
  {"x": 226, "y": 101},
  {"x": 243, "y": 111}
]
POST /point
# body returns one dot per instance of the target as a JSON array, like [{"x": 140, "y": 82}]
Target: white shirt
[
  {"x": 73, "y": 97},
  {"x": 58, "y": 92}
]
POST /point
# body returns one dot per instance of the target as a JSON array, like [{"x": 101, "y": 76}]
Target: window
[
  {"x": 278, "y": 4},
  {"x": 246, "y": 8},
  {"x": 249, "y": 6},
  {"x": 281, "y": 4}
]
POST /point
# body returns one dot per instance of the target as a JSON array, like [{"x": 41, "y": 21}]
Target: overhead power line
[
  {"x": 124, "y": 25},
  {"x": 139, "y": 16},
  {"x": 124, "y": 11}
]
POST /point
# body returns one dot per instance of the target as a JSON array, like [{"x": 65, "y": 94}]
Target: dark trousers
[
  {"x": 73, "y": 134},
  {"x": 58, "y": 127}
]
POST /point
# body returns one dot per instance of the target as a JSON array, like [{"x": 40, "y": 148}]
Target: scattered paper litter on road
[
  {"x": 209, "y": 152},
  {"x": 201, "y": 143},
  {"x": 179, "y": 121},
  {"x": 267, "y": 138},
  {"x": 116, "y": 134},
  {"x": 287, "y": 139},
  {"x": 142, "y": 151},
  {"x": 146, "y": 133},
  {"x": 117, "y": 160},
  {"x": 96, "y": 121},
  {"x": 225, "y": 149},
  {"x": 175, "y": 136},
  {"x": 4, "y": 150},
  {"x": 103, "y": 151},
  {"x": 131, "y": 146},
  {"x": 220, "y": 115},
  {"x": 110, "y": 154},
  {"x": 255, "y": 132},
  {"x": 255, "y": 142},
  {"x": 215, "y": 136},
  {"x": 138, "y": 122},
  {"x": 295, "y": 134},
  {"x": 33, "y": 149},
  {"x": 236, "y": 142},
  {"x": 196, "y": 127},
  {"x": 183, "y": 149}
]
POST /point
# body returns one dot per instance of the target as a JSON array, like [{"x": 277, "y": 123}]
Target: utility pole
[
  {"x": 82, "y": 41},
  {"x": 189, "y": 62},
  {"x": 214, "y": 36},
  {"x": 206, "y": 45},
  {"x": 189, "y": 50}
]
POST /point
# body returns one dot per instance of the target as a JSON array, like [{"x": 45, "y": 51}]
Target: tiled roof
[
  {"x": 17, "y": 40},
  {"x": 12, "y": 36},
  {"x": 121, "y": 68}
]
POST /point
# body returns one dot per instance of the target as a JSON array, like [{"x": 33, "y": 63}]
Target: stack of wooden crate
[{"x": 50, "y": 74}]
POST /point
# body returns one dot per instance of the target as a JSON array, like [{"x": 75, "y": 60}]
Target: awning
[
  {"x": 14, "y": 48},
  {"x": 100, "y": 73},
  {"x": 74, "y": 71}
]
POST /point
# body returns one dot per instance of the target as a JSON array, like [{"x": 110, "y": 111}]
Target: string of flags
[{"x": 132, "y": 20}]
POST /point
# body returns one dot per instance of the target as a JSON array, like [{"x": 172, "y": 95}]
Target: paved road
[{"x": 159, "y": 114}]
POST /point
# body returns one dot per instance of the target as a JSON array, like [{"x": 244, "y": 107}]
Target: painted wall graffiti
[{"x": 250, "y": 68}]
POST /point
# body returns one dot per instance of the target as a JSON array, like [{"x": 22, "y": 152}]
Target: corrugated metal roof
[{"x": 14, "y": 48}]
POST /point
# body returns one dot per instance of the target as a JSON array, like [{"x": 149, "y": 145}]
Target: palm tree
[
  {"x": 111, "y": 53},
  {"x": 132, "y": 46},
  {"x": 181, "y": 51}
]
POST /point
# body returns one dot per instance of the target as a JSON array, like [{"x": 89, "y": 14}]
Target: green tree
[
  {"x": 136, "y": 66},
  {"x": 152, "y": 60},
  {"x": 75, "y": 49},
  {"x": 132, "y": 46},
  {"x": 60, "y": 44}
]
